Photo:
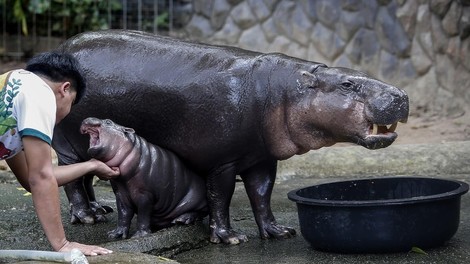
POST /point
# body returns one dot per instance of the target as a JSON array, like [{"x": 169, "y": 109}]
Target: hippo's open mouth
[
  {"x": 379, "y": 136},
  {"x": 94, "y": 134}
]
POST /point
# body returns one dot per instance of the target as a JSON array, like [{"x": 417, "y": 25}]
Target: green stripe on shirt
[{"x": 35, "y": 133}]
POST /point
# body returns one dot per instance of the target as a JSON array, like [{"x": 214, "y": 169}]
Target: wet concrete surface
[{"x": 19, "y": 228}]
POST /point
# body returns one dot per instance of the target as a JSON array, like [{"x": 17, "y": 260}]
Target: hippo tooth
[
  {"x": 375, "y": 129},
  {"x": 393, "y": 127}
]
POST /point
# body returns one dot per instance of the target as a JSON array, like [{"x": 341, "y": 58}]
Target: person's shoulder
[
  {"x": 21, "y": 73},
  {"x": 26, "y": 78}
]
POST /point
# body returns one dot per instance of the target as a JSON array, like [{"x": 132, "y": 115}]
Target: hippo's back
[
  {"x": 149, "y": 55},
  {"x": 183, "y": 96}
]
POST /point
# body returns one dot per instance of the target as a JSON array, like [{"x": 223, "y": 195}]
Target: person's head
[{"x": 63, "y": 74}]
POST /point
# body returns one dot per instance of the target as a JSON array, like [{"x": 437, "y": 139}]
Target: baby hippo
[{"x": 154, "y": 183}]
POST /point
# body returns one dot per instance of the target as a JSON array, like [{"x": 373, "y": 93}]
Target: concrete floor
[{"x": 19, "y": 228}]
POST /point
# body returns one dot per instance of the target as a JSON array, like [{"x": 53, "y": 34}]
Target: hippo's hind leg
[{"x": 264, "y": 174}]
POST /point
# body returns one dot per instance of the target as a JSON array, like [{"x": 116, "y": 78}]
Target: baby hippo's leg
[
  {"x": 125, "y": 215},
  {"x": 144, "y": 214}
]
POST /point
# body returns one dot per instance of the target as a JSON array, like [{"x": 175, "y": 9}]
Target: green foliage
[
  {"x": 65, "y": 18},
  {"x": 20, "y": 15}
]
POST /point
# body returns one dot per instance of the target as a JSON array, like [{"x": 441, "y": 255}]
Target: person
[{"x": 32, "y": 101}]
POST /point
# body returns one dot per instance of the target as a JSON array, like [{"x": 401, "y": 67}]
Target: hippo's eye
[
  {"x": 108, "y": 122},
  {"x": 347, "y": 84}
]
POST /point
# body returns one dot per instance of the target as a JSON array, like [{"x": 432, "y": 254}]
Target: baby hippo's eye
[{"x": 108, "y": 122}]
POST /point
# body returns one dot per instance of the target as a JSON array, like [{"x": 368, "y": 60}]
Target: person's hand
[
  {"x": 87, "y": 250},
  {"x": 103, "y": 171}
]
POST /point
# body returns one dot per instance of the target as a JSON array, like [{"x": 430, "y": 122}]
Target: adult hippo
[{"x": 224, "y": 111}]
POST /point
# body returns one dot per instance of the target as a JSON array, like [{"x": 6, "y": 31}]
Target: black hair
[{"x": 59, "y": 67}]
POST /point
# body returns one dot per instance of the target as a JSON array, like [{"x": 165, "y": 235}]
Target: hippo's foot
[
  {"x": 226, "y": 236},
  {"x": 83, "y": 216},
  {"x": 274, "y": 230},
  {"x": 99, "y": 211},
  {"x": 119, "y": 232},
  {"x": 141, "y": 233},
  {"x": 96, "y": 214}
]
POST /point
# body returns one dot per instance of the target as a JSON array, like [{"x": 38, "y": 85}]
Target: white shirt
[{"x": 27, "y": 108}]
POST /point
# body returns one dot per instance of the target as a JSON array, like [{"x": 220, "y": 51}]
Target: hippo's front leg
[
  {"x": 144, "y": 213},
  {"x": 98, "y": 210},
  {"x": 259, "y": 183},
  {"x": 125, "y": 213},
  {"x": 80, "y": 211},
  {"x": 220, "y": 187}
]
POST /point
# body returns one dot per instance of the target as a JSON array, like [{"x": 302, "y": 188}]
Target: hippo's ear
[
  {"x": 308, "y": 80},
  {"x": 313, "y": 68},
  {"x": 128, "y": 130}
]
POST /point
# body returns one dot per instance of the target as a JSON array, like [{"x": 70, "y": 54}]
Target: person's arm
[
  {"x": 67, "y": 173},
  {"x": 45, "y": 192},
  {"x": 63, "y": 174}
]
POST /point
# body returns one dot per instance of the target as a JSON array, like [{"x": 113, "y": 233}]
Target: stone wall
[{"x": 422, "y": 46}]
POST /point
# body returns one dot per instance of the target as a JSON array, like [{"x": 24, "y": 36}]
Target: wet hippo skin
[
  {"x": 154, "y": 183},
  {"x": 224, "y": 111}
]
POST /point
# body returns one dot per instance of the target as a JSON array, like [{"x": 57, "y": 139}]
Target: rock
[
  {"x": 328, "y": 12},
  {"x": 269, "y": 29},
  {"x": 450, "y": 23},
  {"x": 388, "y": 66},
  {"x": 228, "y": 34},
  {"x": 419, "y": 58},
  {"x": 438, "y": 35},
  {"x": 351, "y": 5},
  {"x": 199, "y": 27},
  {"x": 301, "y": 26},
  {"x": 349, "y": 24},
  {"x": 439, "y": 7},
  {"x": 253, "y": 39},
  {"x": 310, "y": 9},
  {"x": 282, "y": 18},
  {"x": 220, "y": 11},
  {"x": 422, "y": 92},
  {"x": 406, "y": 14},
  {"x": 464, "y": 23},
  {"x": 327, "y": 41},
  {"x": 260, "y": 9},
  {"x": 243, "y": 16},
  {"x": 203, "y": 7},
  {"x": 465, "y": 53},
  {"x": 363, "y": 46},
  {"x": 391, "y": 35}
]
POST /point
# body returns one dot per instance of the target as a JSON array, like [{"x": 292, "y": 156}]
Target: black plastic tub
[{"x": 379, "y": 215}]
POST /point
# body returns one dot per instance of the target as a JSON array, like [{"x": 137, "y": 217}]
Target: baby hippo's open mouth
[
  {"x": 92, "y": 127},
  {"x": 93, "y": 132}
]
